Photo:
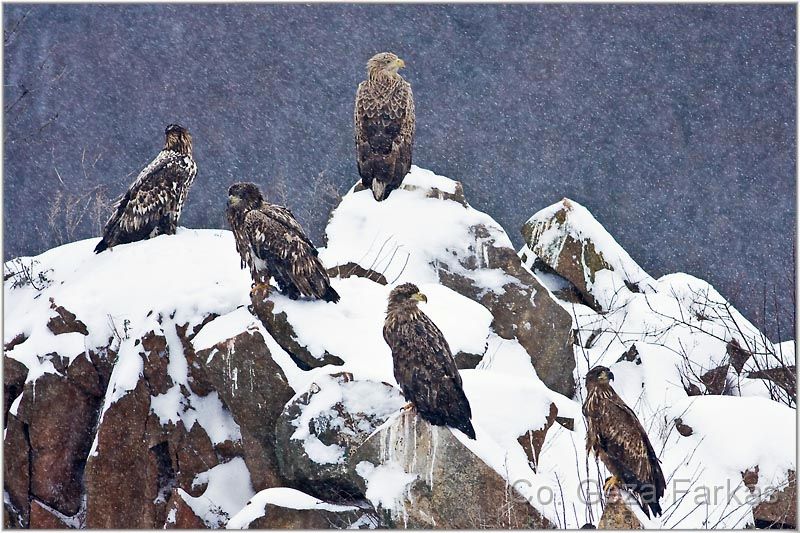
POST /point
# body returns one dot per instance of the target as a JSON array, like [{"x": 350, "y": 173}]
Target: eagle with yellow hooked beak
[
  {"x": 384, "y": 124},
  {"x": 615, "y": 435},
  {"x": 424, "y": 367}
]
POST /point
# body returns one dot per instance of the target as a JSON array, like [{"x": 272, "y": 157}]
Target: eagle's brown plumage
[
  {"x": 384, "y": 124},
  {"x": 152, "y": 205},
  {"x": 619, "y": 440},
  {"x": 271, "y": 243},
  {"x": 423, "y": 365}
]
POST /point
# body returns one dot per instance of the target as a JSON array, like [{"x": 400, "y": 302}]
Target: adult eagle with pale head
[
  {"x": 615, "y": 435},
  {"x": 271, "y": 243},
  {"x": 424, "y": 367},
  {"x": 384, "y": 122},
  {"x": 152, "y": 205}
]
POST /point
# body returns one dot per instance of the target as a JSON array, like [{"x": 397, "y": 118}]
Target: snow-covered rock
[
  {"x": 568, "y": 239},
  {"x": 423, "y": 476},
  {"x": 141, "y": 390},
  {"x": 320, "y": 429},
  {"x": 427, "y": 233},
  {"x": 683, "y": 359},
  {"x": 285, "y": 508}
]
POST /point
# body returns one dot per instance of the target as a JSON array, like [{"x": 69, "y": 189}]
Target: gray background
[{"x": 673, "y": 124}]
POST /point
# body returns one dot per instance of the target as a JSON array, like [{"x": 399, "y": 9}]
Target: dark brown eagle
[
  {"x": 619, "y": 440},
  {"x": 384, "y": 121},
  {"x": 271, "y": 243},
  {"x": 152, "y": 205},
  {"x": 423, "y": 365}
]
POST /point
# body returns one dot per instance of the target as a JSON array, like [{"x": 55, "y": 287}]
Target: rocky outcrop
[
  {"x": 255, "y": 394},
  {"x": 48, "y": 435},
  {"x": 523, "y": 309},
  {"x": 279, "y": 327},
  {"x": 321, "y": 429},
  {"x": 568, "y": 239},
  {"x": 475, "y": 258},
  {"x": 617, "y": 514},
  {"x": 422, "y": 476}
]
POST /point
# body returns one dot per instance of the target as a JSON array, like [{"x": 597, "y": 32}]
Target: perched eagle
[
  {"x": 423, "y": 365},
  {"x": 271, "y": 243},
  {"x": 384, "y": 121},
  {"x": 152, "y": 205},
  {"x": 619, "y": 440}
]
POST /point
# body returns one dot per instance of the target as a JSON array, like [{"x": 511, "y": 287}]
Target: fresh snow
[
  {"x": 228, "y": 490},
  {"x": 679, "y": 324},
  {"x": 280, "y": 497},
  {"x": 409, "y": 236}
]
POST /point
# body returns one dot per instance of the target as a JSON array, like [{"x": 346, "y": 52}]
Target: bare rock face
[
  {"x": 180, "y": 515},
  {"x": 617, "y": 514},
  {"x": 437, "y": 481},
  {"x": 48, "y": 434},
  {"x": 120, "y": 480},
  {"x": 255, "y": 394},
  {"x": 14, "y": 374},
  {"x": 44, "y": 517},
  {"x": 319, "y": 430}
]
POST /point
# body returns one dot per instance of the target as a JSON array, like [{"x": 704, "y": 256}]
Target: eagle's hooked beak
[
  {"x": 418, "y": 296},
  {"x": 233, "y": 200},
  {"x": 400, "y": 63},
  {"x": 607, "y": 376}
]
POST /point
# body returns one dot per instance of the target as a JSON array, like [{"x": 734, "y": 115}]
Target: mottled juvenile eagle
[
  {"x": 619, "y": 440},
  {"x": 384, "y": 121},
  {"x": 271, "y": 243},
  {"x": 423, "y": 365},
  {"x": 152, "y": 205}
]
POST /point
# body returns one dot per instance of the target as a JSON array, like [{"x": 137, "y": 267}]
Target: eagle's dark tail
[
  {"x": 466, "y": 427},
  {"x": 655, "y": 508},
  {"x": 648, "y": 504},
  {"x": 102, "y": 245},
  {"x": 331, "y": 295}
]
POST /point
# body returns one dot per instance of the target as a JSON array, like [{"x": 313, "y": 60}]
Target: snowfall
[{"x": 680, "y": 326}]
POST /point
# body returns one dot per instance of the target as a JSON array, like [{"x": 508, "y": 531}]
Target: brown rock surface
[
  {"x": 453, "y": 489},
  {"x": 43, "y": 517},
  {"x": 65, "y": 322},
  {"x": 617, "y": 514},
  {"x": 525, "y": 311},
  {"x": 278, "y": 325},
  {"x": 533, "y": 440},
  {"x": 255, "y": 396}
]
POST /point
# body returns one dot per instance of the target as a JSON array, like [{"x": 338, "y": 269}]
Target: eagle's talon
[
  {"x": 407, "y": 408},
  {"x": 261, "y": 287},
  {"x": 610, "y": 483}
]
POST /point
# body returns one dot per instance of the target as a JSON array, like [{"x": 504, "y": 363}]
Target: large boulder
[
  {"x": 423, "y": 476},
  {"x": 322, "y": 428},
  {"x": 568, "y": 240},
  {"x": 254, "y": 388},
  {"x": 427, "y": 232},
  {"x": 618, "y": 514}
]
